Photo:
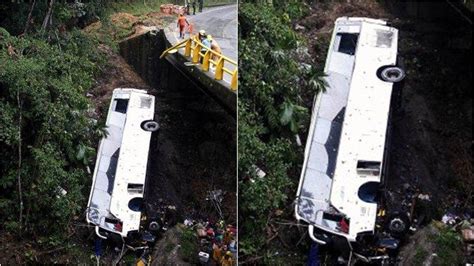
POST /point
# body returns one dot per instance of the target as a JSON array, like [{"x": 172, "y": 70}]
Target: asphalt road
[{"x": 221, "y": 23}]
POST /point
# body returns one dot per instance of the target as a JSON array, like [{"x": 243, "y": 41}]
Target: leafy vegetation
[
  {"x": 48, "y": 127},
  {"x": 420, "y": 256},
  {"x": 46, "y": 135},
  {"x": 189, "y": 246},
  {"x": 449, "y": 247},
  {"x": 274, "y": 83}
]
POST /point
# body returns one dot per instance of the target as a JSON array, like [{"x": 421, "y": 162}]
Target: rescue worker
[
  {"x": 227, "y": 259},
  {"x": 216, "y": 48},
  {"x": 227, "y": 237},
  {"x": 194, "y": 7},
  {"x": 201, "y": 3},
  {"x": 201, "y": 35},
  {"x": 206, "y": 46},
  {"x": 216, "y": 254},
  {"x": 182, "y": 21},
  {"x": 207, "y": 43},
  {"x": 187, "y": 9}
]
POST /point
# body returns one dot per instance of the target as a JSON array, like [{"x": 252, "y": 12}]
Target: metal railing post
[
  {"x": 219, "y": 69},
  {"x": 196, "y": 50},
  {"x": 187, "y": 49},
  {"x": 234, "y": 81},
  {"x": 192, "y": 48},
  {"x": 205, "y": 61}
]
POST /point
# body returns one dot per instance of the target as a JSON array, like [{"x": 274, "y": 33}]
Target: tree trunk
[
  {"x": 28, "y": 20},
  {"x": 47, "y": 18},
  {"x": 20, "y": 193}
]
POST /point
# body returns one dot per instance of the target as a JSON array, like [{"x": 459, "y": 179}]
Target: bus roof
[
  {"x": 348, "y": 126},
  {"x": 122, "y": 159}
]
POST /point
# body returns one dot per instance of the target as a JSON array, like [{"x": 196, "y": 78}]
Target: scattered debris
[
  {"x": 203, "y": 257},
  {"x": 298, "y": 140},
  {"x": 172, "y": 9},
  {"x": 258, "y": 172},
  {"x": 298, "y": 27},
  {"x": 450, "y": 219},
  {"x": 215, "y": 238},
  {"x": 60, "y": 192}
]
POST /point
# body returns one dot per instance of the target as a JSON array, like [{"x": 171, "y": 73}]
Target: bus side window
[
  {"x": 368, "y": 167},
  {"x": 121, "y": 105},
  {"x": 346, "y": 43},
  {"x": 135, "y": 188}
]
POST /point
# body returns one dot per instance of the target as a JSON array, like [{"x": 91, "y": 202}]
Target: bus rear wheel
[
  {"x": 391, "y": 74},
  {"x": 150, "y": 125},
  {"x": 154, "y": 226}
]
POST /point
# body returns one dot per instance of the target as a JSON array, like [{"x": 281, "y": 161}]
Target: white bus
[
  {"x": 116, "y": 198},
  {"x": 345, "y": 153}
]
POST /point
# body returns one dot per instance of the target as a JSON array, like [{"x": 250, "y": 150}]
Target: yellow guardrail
[{"x": 207, "y": 58}]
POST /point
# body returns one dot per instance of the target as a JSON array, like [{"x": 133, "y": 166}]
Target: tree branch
[
  {"x": 47, "y": 18},
  {"x": 28, "y": 20}
]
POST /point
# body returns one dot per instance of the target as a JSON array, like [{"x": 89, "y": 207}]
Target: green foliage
[
  {"x": 449, "y": 247},
  {"x": 420, "y": 255},
  {"x": 189, "y": 247},
  {"x": 293, "y": 8},
  {"x": 135, "y": 7},
  {"x": 272, "y": 109},
  {"x": 211, "y": 3},
  {"x": 46, "y": 82},
  {"x": 14, "y": 14}
]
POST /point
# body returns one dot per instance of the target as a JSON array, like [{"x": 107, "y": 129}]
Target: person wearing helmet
[
  {"x": 207, "y": 42},
  {"x": 216, "y": 48},
  {"x": 206, "y": 45},
  {"x": 202, "y": 35},
  {"x": 227, "y": 259},
  {"x": 182, "y": 21}
]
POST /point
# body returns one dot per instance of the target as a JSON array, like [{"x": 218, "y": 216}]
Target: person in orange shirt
[{"x": 182, "y": 21}]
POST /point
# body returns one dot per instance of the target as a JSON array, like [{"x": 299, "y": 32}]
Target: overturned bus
[
  {"x": 345, "y": 158},
  {"x": 116, "y": 200}
]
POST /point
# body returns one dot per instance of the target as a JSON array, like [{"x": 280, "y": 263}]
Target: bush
[
  {"x": 449, "y": 247},
  {"x": 273, "y": 81},
  {"x": 189, "y": 247},
  {"x": 45, "y": 84}
]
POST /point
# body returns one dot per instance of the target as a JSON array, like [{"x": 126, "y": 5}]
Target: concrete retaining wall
[{"x": 143, "y": 54}]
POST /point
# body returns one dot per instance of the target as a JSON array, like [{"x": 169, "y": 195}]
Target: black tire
[
  {"x": 150, "y": 125},
  {"x": 392, "y": 74},
  {"x": 154, "y": 226},
  {"x": 398, "y": 224}
]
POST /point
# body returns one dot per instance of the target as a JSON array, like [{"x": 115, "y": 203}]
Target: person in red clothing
[{"x": 182, "y": 21}]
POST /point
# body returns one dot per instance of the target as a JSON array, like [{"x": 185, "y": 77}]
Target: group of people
[
  {"x": 206, "y": 39},
  {"x": 222, "y": 243},
  {"x": 209, "y": 43},
  {"x": 182, "y": 21},
  {"x": 193, "y": 4}
]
